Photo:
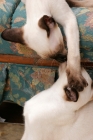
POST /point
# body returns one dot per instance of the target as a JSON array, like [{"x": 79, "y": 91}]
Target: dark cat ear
[
  {"x": 47, "y": 23},
  {"x": 13, "y": 35},
  {"x": 72, "y": 94}
]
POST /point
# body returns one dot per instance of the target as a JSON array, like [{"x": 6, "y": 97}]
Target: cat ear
[
  {"x": 47, "y": 23},
  {"x": 71, "y": 94},
  {"x": 13, "y": 35}
]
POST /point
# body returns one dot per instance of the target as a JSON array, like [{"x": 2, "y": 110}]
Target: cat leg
[{"x": 64, "y": 16}]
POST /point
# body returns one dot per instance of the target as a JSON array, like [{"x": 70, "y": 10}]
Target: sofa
[{"x": 22, "y": 72}]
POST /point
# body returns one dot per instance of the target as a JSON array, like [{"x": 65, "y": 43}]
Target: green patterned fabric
[
  {"x": 19, "y": 16},
  {"x": 7, "y": 8},
  {"x": 18, "y": 83}
]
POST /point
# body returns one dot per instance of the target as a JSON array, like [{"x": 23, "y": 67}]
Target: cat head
[{"x": 43, "y": 36}]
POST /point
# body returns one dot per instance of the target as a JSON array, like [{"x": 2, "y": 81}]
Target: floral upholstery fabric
[
  {"x": 19, "y": 83},
  {"x": 7, "y": 8}
]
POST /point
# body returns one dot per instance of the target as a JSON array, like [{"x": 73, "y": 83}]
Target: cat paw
[{"x": 76, "y": 80}]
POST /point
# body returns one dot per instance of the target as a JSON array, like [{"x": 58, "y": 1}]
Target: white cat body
[{"x": 50, "y": 116}]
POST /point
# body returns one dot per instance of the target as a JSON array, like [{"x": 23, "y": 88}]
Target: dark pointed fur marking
[
  {"x": 59, "y": 57},
  {"x": 71, "y": 94},
  {"x": 13, "y": 35},
  {"x": 45, "y": 22},
  {"x": 92, "y": 85}
]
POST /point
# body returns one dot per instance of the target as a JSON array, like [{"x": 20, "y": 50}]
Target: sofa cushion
[
  {"x": 24, "y": 81},
  {"x": 85, "y": 22},
  {"x": 7, "y": 8}
]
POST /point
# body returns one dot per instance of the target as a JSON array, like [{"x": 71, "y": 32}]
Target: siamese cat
[
  {"x": 42, "y": 34},
  {"x": 60, "y": 113}
]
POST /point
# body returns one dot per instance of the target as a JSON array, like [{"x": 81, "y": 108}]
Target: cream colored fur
[{"x": 49, "y": 116}]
